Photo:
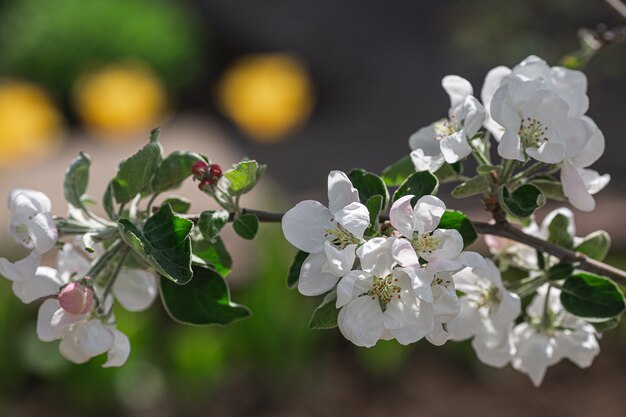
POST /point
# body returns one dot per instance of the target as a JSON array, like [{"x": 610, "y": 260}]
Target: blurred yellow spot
[
  {"x": 266, "y": 95},
  {"x": 29, "y": 122},
  {"x": 120, "y": 99}
]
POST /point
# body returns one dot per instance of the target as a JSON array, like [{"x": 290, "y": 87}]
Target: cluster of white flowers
[
  {"x": 77, "y": 309},
  {"x": 534, "y": 111}
]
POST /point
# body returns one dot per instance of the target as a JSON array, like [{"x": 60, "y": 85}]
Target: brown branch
[{"x": 505, "y": 230}]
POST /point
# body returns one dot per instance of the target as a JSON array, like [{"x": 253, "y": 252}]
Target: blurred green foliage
[{"x": 52, "y": 42}]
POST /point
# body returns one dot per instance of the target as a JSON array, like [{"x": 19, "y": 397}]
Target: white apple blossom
[
  {"x": 447, "y": 140},
  {"x": 488, "y": 311},
  {"x": 31, "y": 281},
  {"x": 82, "y": 336},
  {"x": 329, "y": 234},
  {"x": 418, "y": 224},
  {"x": 379, "y": 301},
  {"x": 550, "y": 336},
  {"x": 31, "y": 223}
]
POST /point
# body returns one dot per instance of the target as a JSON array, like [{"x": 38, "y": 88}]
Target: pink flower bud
[
  {"x": 199, "y": 169},
  {"x": 75, "y": 298},
  {"x": 216, "y": 171}
]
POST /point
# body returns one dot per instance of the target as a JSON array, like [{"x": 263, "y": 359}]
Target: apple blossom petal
[
  {"x": 22, "y": 270},
  {"x": 427, "y": 213},
  {"x": 492, "y": 84},
  {"x": 71, "y": 264},
  {"x": 534, "y": 353},
  {"x": 451, "y": 244},
  {"x": 45, "y": 282},
  {"x": 401, "y": 215},
  {"x": 585, "y": 155},
  {"x": 419, "y": 280},
  {"x": 361, "y": 321},
  {"x": 532, "y": 68},
  {"x": 510, "y": 146},
  {"x": 419, "y": 322},
  {"x": 438, "y": 336},
  {"x": 45, "y": 331},
  {"x": 135, "y": 289},
  {"x": 71, "y": 349},
  {"x": 497, "y": 356},
  {"x": 339, "y": 261},
  {"x": 91, "y": 337},
  {"x": 119, "y": 352},
  {"x": 340, "y": 191},
  {"x": 376, "y": 256},
  {"x": 29, "y": 201},
  {"x": 594, "y": 181},
  {"x": 305, "y": 226},
  {"x": 43, "y": 232},
  {"x": 509, "y": 309},
  {"x": 550, "y": 152},
  {"x": 313, "y": 280},
  {"x": 403, "y": 253},
  {"x": 579, "y": 346},
  {"x": 473, "y": 260},
  {"x": 466, "y": 324},
  {"x": 355, "y": 218},
  {"x": 457, "y": 88},
  {"x": 447, "y": 304},
  {"x": 352, "y": 285},
  {"x": 455, "y": 147},
  {"x": 423, "y": 162},
  {"x": 474, "y": 116},
  {"x": 575, "y": 189}
]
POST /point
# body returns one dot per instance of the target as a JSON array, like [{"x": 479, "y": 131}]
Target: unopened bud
[
  {"x": 76, "y": 298},
  {"x": 216, "y": 171},
  {"x": 199, "y": 169},
  {"x": 206, "y": 184}
]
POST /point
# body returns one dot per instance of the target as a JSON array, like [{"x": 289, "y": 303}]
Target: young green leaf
[
  {"x": 396, "y": 173},
  {"x": 107, "y": 202},
  {"x": 369, "y": 185},
  {"x": 476, "y": 185},
  {"x": 246, "y": 226},
  {"x": 449, "y": 172},
  {"x": 76, "y": 180},
  {"x": 523, "y": 201},
  {"x": 592, "y": 297},
  {"x": 204, "y": 301},
  {"x": 325, "y": 315},
  {"x": 244, "y": 176},
  {"x": 487, "y": 169},
  {"x": 164, "y": 243},
  {"x": 419, "y": 184},
  {"x": 551, "y": 188},
  {"x": 374, "y": 206},
  {"x": 174, "y": 170},
  {"x": 558, "y": 232},
  {"x": 560, "y": 271},
  {"x": 605, "y": 326},
  {"x": 296, "y": 266},
  {"x": 178, "y": 204},
  {"x": 211, "y": 223},
  {"x": 134, "y": 175},
  {"x": 214, "y": 253},
  {"x": 457, "y": 220},
  {"x": 595, "y": 245}
]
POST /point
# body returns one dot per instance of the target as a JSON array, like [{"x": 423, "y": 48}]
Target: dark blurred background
[{"x": 305, "y": 87}]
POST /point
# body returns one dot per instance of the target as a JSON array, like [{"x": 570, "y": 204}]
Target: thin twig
[{"x": 505, "y": 230}]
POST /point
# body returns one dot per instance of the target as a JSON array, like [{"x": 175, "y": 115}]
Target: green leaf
[
  {"x": 76, "y": 180},
  {"x": 107, "y": 202},
  {"x": 476, "y": 185},
  {"x": 560, "y": 271},
  {"x": 523, "y": 201},
  {"x": 164, "y": 243},
  {"x": 419, "y": 184},
  {"x": 204, "y": 301},
  {"x": 244, "y": 176},
  {"x": 178, "y": 204},
  {"x": 457, "y": 220},
  {"x": 487, "y": 169},
  {"x": 604, "y": 326},
  {"x": 134, "y": 175},
  {"x": 396, "y": 173},
  {"x": 211, "y": 223},
  {"x": 325, "y": 315},
  {"x": 374, "y": 206},
  {"x": 595, "y": 245},
  {"x": 551, "y": 188},
  {"x": 592, "y": 297},
  {"x": 558, "y": 232},
  {"x": 296, "y": 266},
  {"x": 215, "y": 254},
  {"x": 369, "y": 185},
  {"x": 448, "y": 172},
  {"x": 174, "y": 169},
  {"x": 246, "y": 226}
]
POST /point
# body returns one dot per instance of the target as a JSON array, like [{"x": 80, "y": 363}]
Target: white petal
[
  {"x": 492, "y": 83},
  {"x": 45, "y": 282},
  {"x": 351, "y": 286},
  {"x": 532, "y": 68},
  {"x": 594, "y": 181},
  {"x": 339, "y": 262},
  {"x": 474, "y": 116},
  {"x": 423, "y": 162},
  {"x": 419, "y": 280},
  {"x": 416, "y": 319},
  {"x": 451, "y": 244},
  {"x": 473, "y": 260},
  {"x": 355, "y": 218},
  {"x": 135, "y": 289},
  {"x": 361, "y": 321},
  {"x": 119, "y": 352},
  {"x": 401, "y": 215},
  {"x": 455, "y": 147},
  {"x": 438, "y": 336},
  {"x": 72, "y": 350},
  {"x": 305, "y": 225},
  {"x": 466, "y": 324},
  {"x": 493, "y": 355},
  {"x": 376, "y": 256},
  {"x": 550, "y": 152},
  {"x": 457, "y": 88},
  {"x": 510, "y": 146},
  {"x": 534, "y": 352},
  {"x": 43, "y": 232},
  {"x": 71, "y": 264},
  {"x": 91, "y": 337},
  {"x": 22, "y": 270},
  {"x": 29, "y": 200},
  {"x": 340, "y": 191},
  {"x": 427, "y": 213},
  {"x": 578, "y": 346},
  {"x": 403, "y": 253},
  {"x": 593, "y": 149},
  {"x": 575, "y": 188},
  {"x": 45, "y": 331},
  {"x": 313, "y": 280}
]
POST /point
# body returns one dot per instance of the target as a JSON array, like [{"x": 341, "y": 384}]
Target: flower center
[
  {"x": 425, "y": 242},
  {"x": 532, "y": 133},
  {"x": 446, "y": 127},
  {"x": 384, "y": 289},
  {"x": 340, "y": 237},
  {"x": 444, "y": 281},
  {"x": 489, "y": 296}
]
